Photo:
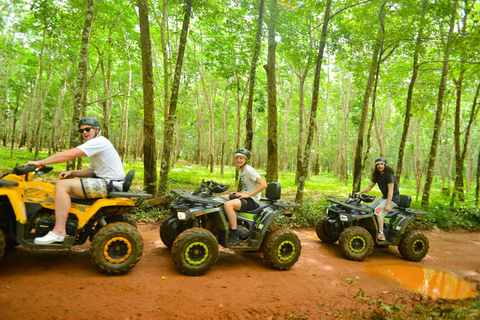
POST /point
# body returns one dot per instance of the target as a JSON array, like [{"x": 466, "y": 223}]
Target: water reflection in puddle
[{"x": 427, "y": 281}]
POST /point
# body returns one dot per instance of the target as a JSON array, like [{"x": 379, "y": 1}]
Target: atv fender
[{"x": 17, "y": 204}]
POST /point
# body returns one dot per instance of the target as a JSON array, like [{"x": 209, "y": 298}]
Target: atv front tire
[
  {"x": 195, "y": 251},
  {"x": 413, "y": 245},
  {"x": 165, "y": 235},
  {"x": 3, "y": 243},
  {"x": 356, "y": 243},
  {"x": 116, "y": 248},
  {"x": 322, "y": 231},
  {"x": 281, "y": 249}
]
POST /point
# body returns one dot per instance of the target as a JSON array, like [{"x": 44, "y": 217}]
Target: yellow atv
[{"x": 27, "y": 211}]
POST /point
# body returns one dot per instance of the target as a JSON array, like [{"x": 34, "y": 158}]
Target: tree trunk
[
  {"x": 438, "y": 116},
  {"x": 251, "y": 79},
  {"x": 288, "y": 107},
  {"x": 272, "y": 141},
  {"x": 459, "y": 153},
  {"x": 149, "y": 136},
  {"x": 170, "y": 123},
  {"x": 477, "y": 180},
  {"x": 408, "y": 108},
  {"x": 225, "y": 131},
  {"x": 358, "y": 168},
  {"x": 57, "y": 121},
  {"x": 314, "y": 107},
  {"x": 81, "y": 83},
  {"x": 301, "y": 116}
]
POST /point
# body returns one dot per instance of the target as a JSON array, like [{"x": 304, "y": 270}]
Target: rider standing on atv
[
  {"x": 105, "y": 163},
  {"x": 249, "y": 198},
  {"x": 383, "y": 175}
]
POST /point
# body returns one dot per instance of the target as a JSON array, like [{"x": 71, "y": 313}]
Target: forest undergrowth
[{"x": 318, "y": 188}]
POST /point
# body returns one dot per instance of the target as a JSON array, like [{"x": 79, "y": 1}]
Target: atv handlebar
[{"x": 19, "y": 171}]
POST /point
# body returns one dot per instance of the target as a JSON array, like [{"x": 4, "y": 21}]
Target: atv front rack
[
  {"x": 351, "y": 207},
  {"x": 185, "y": 195}
]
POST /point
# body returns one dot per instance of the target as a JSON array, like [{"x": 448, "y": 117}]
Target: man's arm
[
  {"x": 60, "y": 157},
  {"x": 260, "y": 187},
  {"x": 389, "y": 196},
  {"x": 367, "y": 188}
]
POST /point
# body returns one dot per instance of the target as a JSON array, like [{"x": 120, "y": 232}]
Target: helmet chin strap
[{"x": 243, "y": 165}]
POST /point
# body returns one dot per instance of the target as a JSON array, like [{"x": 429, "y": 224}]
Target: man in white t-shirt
[
  {"x": 248, "y": 199},
  {"x": 105, "y": 163}
]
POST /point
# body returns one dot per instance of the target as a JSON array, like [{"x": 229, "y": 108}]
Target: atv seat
[
  {"x": 274, "y": 191},
  {"x": 128, "y": 180},
  {"x": 405, "y": 201}
]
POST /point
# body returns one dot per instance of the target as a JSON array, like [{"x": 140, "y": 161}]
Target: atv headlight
[
  {"x": 343, "y": 217},
  {"x": 327, "y": 209},
  {"x": 181, "y": 215}
]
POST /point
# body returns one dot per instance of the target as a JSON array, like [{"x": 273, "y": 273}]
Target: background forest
[{"x": 311, "y": 87}]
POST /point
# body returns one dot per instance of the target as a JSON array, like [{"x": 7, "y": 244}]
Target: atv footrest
[{"x": 66, "y": 244}]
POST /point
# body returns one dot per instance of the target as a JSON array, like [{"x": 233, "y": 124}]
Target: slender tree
[
  {"x": 149, "y": 136},
  {"x": 270, "y": 67},
  {"x": 314, "y": 107},
  {"x": 170, "y": 124},
  {"x": 408, "y": 107},
  {"x": 82, "y": 81},
  {"x": 439, "y": 113},
  {"x": 251, "y": 78}
]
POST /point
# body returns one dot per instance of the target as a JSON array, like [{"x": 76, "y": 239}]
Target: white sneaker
[
  {"x": 49, "y": 238},
  {"x": 381, "y": 236}
]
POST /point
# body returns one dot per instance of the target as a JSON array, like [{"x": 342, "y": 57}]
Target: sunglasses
[{"x": 85, "y": 129}]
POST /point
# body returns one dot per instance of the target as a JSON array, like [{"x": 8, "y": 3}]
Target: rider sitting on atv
[
  {"x": 383, "y": 175},
  {"x": 246, "y": 200},
  {"x": 105, "y": 163}
]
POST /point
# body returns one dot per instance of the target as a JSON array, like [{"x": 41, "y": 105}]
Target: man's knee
[{"x": 68, "y": 186}]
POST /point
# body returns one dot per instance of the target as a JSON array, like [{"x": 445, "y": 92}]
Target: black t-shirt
[{"x": 383, "y": 181}]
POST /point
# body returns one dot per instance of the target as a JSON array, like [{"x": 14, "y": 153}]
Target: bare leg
[
  {"x": 230, "y": 207},
  {"x": 63, "y": 190},
  {"x": 380, "y": 224}
]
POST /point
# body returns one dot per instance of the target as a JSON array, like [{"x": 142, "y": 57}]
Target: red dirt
[{"x": 46, "y": 284}]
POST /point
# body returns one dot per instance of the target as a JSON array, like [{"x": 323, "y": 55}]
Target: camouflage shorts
[{"x": 94, "y": 188}]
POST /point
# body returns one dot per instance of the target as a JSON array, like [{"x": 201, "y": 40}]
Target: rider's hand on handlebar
[{"x": 35, "y": 163}]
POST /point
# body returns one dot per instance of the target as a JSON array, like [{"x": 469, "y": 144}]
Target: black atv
[
  {"x": 198, "y": 223},
  {"x": 354, "y": 225}
]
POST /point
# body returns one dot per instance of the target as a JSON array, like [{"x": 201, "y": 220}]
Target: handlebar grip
[{"x": 24, "y": 169}]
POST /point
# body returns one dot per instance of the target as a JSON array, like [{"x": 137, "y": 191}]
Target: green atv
[
  {"x": 354, "y": 225},
  {"x": 198, "y": 224}
]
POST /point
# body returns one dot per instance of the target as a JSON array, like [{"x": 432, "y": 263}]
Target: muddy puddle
[{"x": 426, "y": 281}]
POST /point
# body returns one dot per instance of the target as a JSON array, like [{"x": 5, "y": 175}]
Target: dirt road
[{"x": 38, "y": 284}]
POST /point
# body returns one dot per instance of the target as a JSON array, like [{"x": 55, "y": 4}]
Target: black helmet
[
  {"x": 89, "y": 120},
  {"x": 243, "y": 152},
  {"x": 381, "y": 160}
]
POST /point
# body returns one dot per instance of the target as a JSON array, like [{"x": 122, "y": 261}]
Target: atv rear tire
[
  {"x": 195, "y": 251},
  {"x": 356, "y": 243},
  {"x": 116, "y": 248},
  {"x": 322, "y": 231},
  {"x": 165, "y": 235},
  {"x": 3, "y": 243},
  {"x": 281, "y": 249},
  {"x": 413, "y": 245}
]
